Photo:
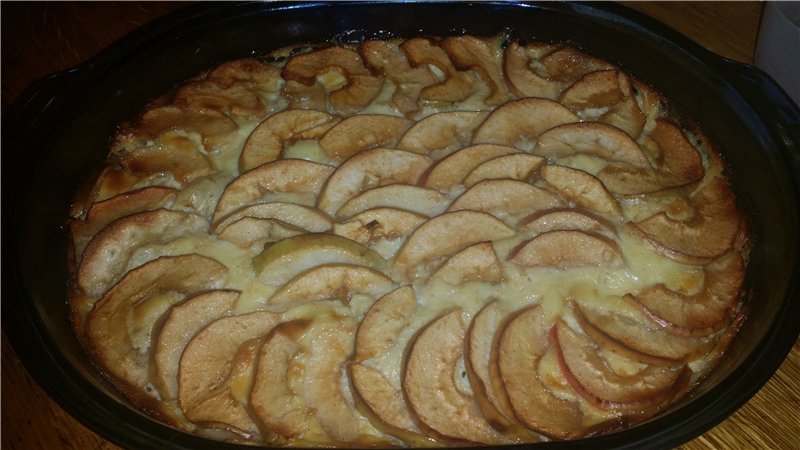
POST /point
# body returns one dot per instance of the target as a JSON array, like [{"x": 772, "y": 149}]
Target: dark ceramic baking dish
[{"x": 60, "y": 128}]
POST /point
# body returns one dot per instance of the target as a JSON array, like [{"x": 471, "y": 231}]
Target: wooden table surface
[{"x": 42, "y": 38}]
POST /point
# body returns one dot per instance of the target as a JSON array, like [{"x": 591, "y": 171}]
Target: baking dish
[{"x": 64, "y": 124}]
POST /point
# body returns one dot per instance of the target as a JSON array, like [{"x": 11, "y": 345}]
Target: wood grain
[{"x": 41, "y": 38}]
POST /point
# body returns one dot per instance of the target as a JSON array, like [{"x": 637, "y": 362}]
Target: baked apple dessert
[{"x": 417, "y": 242}]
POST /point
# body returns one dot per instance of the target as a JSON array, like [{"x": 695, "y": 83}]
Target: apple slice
[
  {"x": 516, "y": 166},
  {"x": 368, "y": 169},
  {"x": 521, "y": 344},
  {"x": 608, "y": 90},
  {"x": 451, "y": 170},
  {"x": 216, "y": 129},
  {"x": 120, "y": 326},
  {"x": 442, "y": 131},
  {"x": 180, "y": 324},
  {"x": 503, "y": 198},
  {"x": 428, "y": 202},
  {"x": 272, "y": 136},
  {"x": 283, "y": 260},
  {"x": 300, "y": 96},
  {"x": 567, "y": 249},
  {"x": 216, "y": 363},
  {"x": 710, "y": 233},
  {"x": 565, "y": 219},
  {"x": 581, "y": 188},
  {"x": 701, "y": 313},
  {"x": 251, "y": 232},
  {"x": 362, "y": 132},
  {"x": 376, "y": 224},
  {"x": 518, "y": 122},
  {"x": 300, "y": 216},
  {"x": 332, "y": 282},
  {"x": 360, "y": 86},
  {"x": 476, "y": 262},
  {"x": 431, "y": 390},
  {"x": 456, "y": 86},
  {"x": 445, "y": 235},
  {"x": 591, "y": 138},
  {"x": 285, "y": 175},
  {"x": 482, "y": 56},
  {"x": 568, "y": 64},
  {"x": 383, "y": 322},
  {"x": 109, "y": 252},
  {"x": 523, "y": 79},
  {"x": 172, "y": 152},
  {"x": 386, "y": 57}
]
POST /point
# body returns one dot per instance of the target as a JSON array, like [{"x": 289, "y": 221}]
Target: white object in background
[{"x": 778, "y": 47}]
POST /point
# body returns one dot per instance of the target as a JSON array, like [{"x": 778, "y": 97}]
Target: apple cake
[{"x": 416, "y": 242}]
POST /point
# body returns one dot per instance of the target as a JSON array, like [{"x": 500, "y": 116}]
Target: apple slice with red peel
[
  {"x": 523, "y": 79},
  {"x": 430, "y": 387},
  {"x": 565, "y": 219},
  {"x": 332, "y": 282},
  {"x": 214, "y": 365},
  {"x": 582, "y": 188},
  {"x": 702, "y": 313},
  {"x": 591, "y": 138},
  {"x": 285, "y": 259},
  {"x": 274, "y": 134},
  {"x": 180, "y": 324},
  {"x": 368, "y": 169},
  {"x": 456, "y": 86},
  {"x": 567, "y": 249},
  {"x": 300, "y": 216},
  {"x": 109, "y": 252},
  {"x": 516, "y": 166},
  {"x": 522, "y": 342},
  {"x": 518, "y": 123},
  {"x": 442, "y": 131},
  {"x": 451, "y": 170},
  {"x": 285, "y": 175},
  {"x": 362, "y": 132},
  {"x": 378, "y": 224},
  {"x": 386, "y": 58},
  {"x": 482, "y": 56},
  {"x": 408, "y": 197},
  {"x": 710, "y": 233},
  {"x": 503, "y": 198},
  {"x": 476, "y": 262},
  {"x": 445, "y": 235},
  {"x": 119, "y": 328},
  {"x": 595, "y": 379}
]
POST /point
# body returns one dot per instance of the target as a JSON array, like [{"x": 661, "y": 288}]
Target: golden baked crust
[{"x": 424, "y": 242}]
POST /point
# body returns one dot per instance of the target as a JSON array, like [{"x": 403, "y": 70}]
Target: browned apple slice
[
  {"x": 430, "y": 387},
  {"x": 120, "y": 326},
  {"x": 503, "y": 198},
  {"x": 332, "y": 282},
  {"x": 708, "y": 234},
  {"x": 359, "y": 88},
  {"x": 445, "y": 235},
  {"x": 385, "y": 57},
  {"x": 522, "y": 343},
  {"x": 180, "y": 324},
  {"x": 249, "y": 232},
  {"x": 216, "y": 129},
  {"x": 216, "y": 371},
  {"x": 300, "y": 96},
  {"x": 442, "y": 131},
  {"x": 373, "y": 225},
  {"x": 173, "y": 153},
  {"x": 566, "y": 249},
  {"x": 283, "y": 260},
  {"x": 701, "y": 313},
  {"x": 565, "y": 219},
  {"x": 476, "y": 262},
  {"x": 608, "y": 90},
  {"x": 383, "y": 322},
  {"x": 300, "y": 216},
  {"x": 523, "y": 79},
  {"x": 109, "y": 252},
  {"x": 456, "y": 86},
  {"x": 286, "y": 175},
  {"x": 368, "y": 169},
  {"x": 362, "y": 132},
  {"x": 516, "y": 166},
  {"x": 569, "y": 64},
  {"x": 482, "y": 56},
  {"x": 630, "y": 387},
  {"x": 591, "y": 138},
  {"x": 428, "y": 202},
  {"x": 518, "y": 122},
  {"x": 581, "y": 188},
  {"x": 451, "y": 170},
  {"x": 271, "y": 137}
]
